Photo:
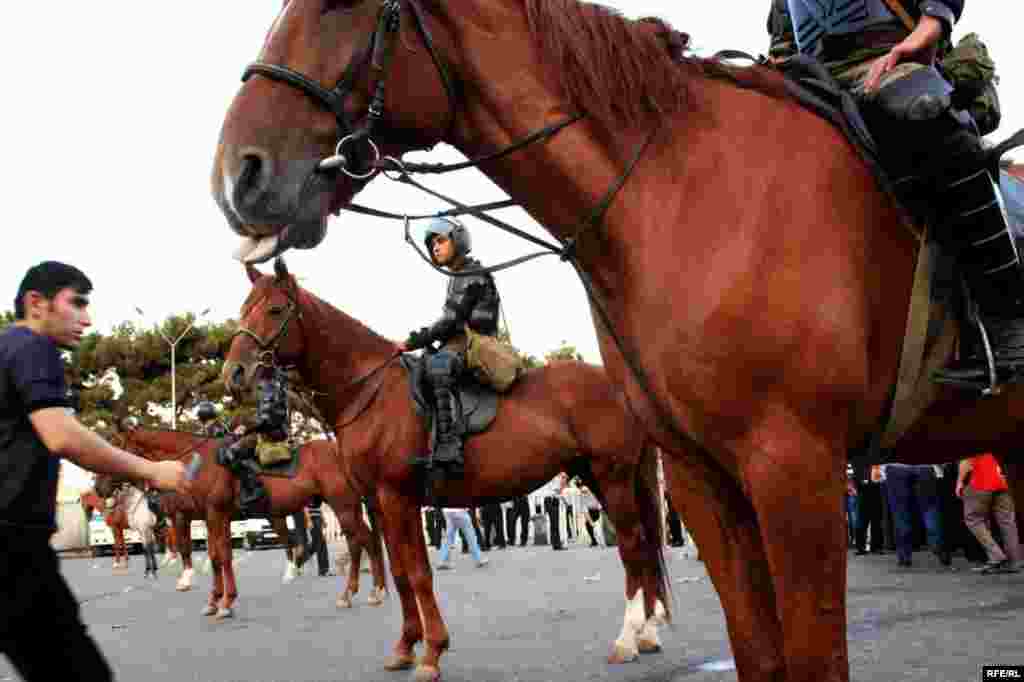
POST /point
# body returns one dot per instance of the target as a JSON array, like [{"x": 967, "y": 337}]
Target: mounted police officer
[
  {"x": 213, "y": 427},
  {"x": 472, "y": 301},
  {"x": 932, "y": 150},
  {"x": 270, "y": 425}
]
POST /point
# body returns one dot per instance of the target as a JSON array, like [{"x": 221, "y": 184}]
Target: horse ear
[
  {"x": 280, "y": 269},
  {"x": 253, "y": 273}
]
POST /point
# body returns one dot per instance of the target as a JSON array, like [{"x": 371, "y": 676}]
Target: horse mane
[
  {"x": 308, "y": 299},
  {"x": 628, "y": 73}
]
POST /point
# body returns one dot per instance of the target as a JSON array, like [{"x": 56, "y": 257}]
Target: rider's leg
[
  {"x": 442, "y": 370},
  {"x": 912, "y": 109}
]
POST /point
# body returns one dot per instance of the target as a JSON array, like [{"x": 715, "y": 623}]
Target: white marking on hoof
[
  {"x": 344, "y": 600},
  {"x": 208, "y": 610},
  {"x": 185, "y": 581},
  {"x": 622, "y": 654},
  {"x": 225, "y": 612},
  {"x": 290, "y": 573},
  {"x": 427, "y": 673},
  {"x": 399, "y": 662},
  {"x": 376, "y": 597}
]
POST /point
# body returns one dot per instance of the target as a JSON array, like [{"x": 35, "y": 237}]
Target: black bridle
[{"x": 377, "y": 55}]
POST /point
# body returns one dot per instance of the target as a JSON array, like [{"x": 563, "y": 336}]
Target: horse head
[
  {"x": 270, "y": 332},
  {"x": 389, "y": 67}
]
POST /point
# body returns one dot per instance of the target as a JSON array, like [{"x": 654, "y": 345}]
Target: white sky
[{"x": 111, "y": 115}]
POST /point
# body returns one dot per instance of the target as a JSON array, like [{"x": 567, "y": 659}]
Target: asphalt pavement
[{"x": 532, "y": 615}]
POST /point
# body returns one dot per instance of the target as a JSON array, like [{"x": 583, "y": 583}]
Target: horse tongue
[{"x": 258, "y": 251}]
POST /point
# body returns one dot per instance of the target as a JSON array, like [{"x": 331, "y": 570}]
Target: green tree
[{"x": 563, "y": 352}]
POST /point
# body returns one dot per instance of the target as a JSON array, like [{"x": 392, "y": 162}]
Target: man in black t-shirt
[{"x": 37, "y": 428}]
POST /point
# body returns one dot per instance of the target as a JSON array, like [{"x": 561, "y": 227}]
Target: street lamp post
[{"x": 174, "y": 346}]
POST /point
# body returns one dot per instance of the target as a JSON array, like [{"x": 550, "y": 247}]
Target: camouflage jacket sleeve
[
  {"x": 946, "y": 11},
  {"x": 463, "y": 295},
  {"x": 780, "y": 28}
]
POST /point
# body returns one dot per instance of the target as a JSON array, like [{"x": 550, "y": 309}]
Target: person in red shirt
[{"x": 985, "y": 493}]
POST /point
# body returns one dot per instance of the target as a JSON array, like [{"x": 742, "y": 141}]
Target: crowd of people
[{"x": 958, "y": 507}]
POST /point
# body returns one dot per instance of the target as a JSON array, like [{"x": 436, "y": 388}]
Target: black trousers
[
  {"x": 435, "y": 526},
  {"x": 520, "y": 511},
  {"x": 494, "y": 528},
  {"x": 37, "y": 606},
  {"x": 675, "y": 528},
  {"x": 316, "y": 533},
  {"x": 869, "y": 514},
  {"x": 551, "y": 507}
]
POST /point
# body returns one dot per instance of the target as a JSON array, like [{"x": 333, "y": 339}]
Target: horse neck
[
  {"x": 166, "y": 445},
  {"x": 340, "y": 350},
  {"x": 512, "y": 96}
]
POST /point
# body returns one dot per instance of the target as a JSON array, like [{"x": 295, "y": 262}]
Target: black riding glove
[{"x": 418, "y": 339}]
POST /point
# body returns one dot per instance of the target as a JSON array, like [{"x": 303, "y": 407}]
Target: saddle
[
  {"x": 476, "y": 403},
  {"x": 283, "y": 462}
]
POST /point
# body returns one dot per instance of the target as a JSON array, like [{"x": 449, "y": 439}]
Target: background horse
[
  {"x": 216, "y": 491},
  {"x": 114, "y": 517},
  {"x": 750, "y": 282},
  {"x": 563, "y": 417},
  {"x": 131, "y": 499}
]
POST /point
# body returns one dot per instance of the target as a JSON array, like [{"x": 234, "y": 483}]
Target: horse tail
[{"x": 649, "y": 501}]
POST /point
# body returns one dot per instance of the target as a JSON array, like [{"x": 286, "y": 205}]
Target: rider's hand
[
  {"x": 170, "y": 476},
  {"x": 920, "y": 46},
  {"x": 959, "y": 489},
  {"x": 403, "y": 348}
]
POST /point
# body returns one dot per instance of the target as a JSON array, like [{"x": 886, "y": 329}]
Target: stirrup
[{"x": 993, "y": 387}]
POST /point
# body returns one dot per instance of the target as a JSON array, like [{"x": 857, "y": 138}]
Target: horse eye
[
  {"x": 275, "y": 309},
  {"x": 332, "y": 5}
]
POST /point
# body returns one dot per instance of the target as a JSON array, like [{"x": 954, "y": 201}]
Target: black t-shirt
[{"x": 31, "y": 378}]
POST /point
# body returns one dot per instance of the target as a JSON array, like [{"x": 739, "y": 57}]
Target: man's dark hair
[{"x": 48, "y": 278}]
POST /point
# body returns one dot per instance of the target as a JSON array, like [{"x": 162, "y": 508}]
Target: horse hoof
[
  {"x": 374, "y": 600},
  {"x": 397, "y": 662},
  {"x": 646, "y": 646},
  {"x": 621, "y": 654},
  {"x": 427, "y": 673},
  {"x": 208, "y": 610},
  {"x": 182, "y": 588},
  {"x": 223, "y": 613},
  {"x": 343, "y": 602}
]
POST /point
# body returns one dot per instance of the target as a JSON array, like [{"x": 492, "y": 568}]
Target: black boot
[
  {"x": 253, "y": 497},
  {"x": 448, "y": 445},
  {"x": 977, "y": 228}
]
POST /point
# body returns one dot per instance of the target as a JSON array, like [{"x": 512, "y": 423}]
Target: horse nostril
[{"x": 253, "y": 179}]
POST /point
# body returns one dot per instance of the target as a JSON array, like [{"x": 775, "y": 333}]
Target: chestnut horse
[
  {"x": 749, "y": 280},
  {"x": 116, "y": 520},
  {"x": 216, "y": 492},
  {"x": 562, "y": 417}
]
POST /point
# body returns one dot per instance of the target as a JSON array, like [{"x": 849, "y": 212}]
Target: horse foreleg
[
  {"x": 224, "y": 566},
  {"x": 414, "y": 555},
  {"x": 171, "y": 544},
  {"x": 622, "y": 510},
  {"x": 183, "y": 531},
  {"x": 120, "y": 549},
  {"x": 796, "y": 489},
  {"x": 724, "y": 526},
  {"x": 404, "y": 655}
]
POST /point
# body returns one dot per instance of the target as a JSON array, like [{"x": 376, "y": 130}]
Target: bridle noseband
[
  {"x": 268, "y": 356},
  {"x": 377, "y": 54}
]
